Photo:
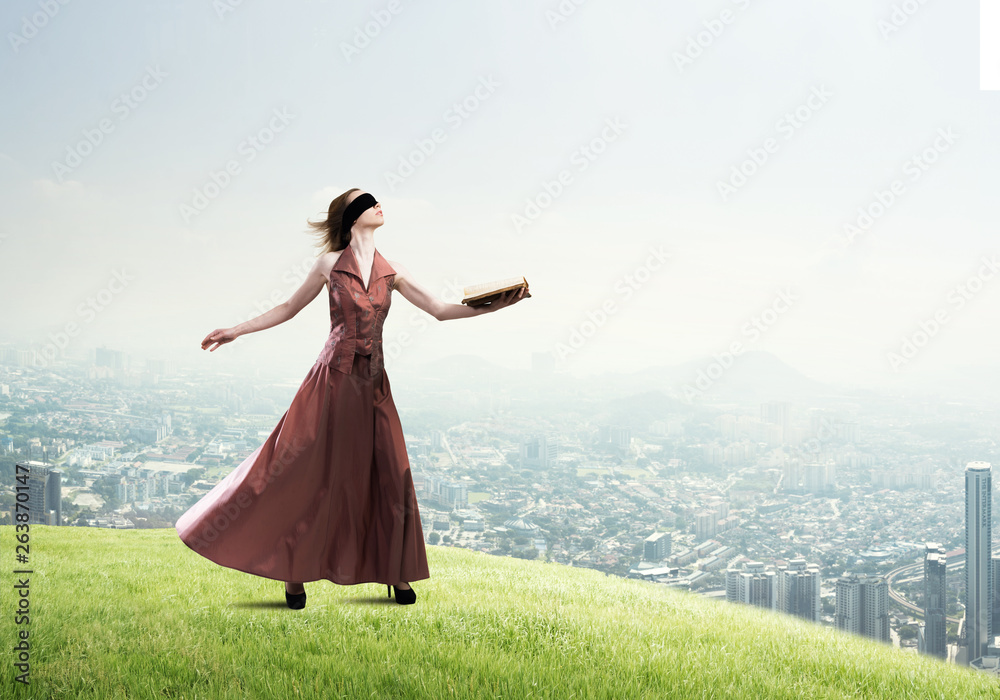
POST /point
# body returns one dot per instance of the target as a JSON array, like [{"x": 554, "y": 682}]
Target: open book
[{"x": 479, "y": 294}]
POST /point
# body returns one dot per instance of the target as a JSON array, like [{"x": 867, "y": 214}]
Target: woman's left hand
[{"x": 506, "y": 299}]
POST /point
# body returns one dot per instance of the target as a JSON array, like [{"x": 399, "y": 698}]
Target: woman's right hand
[
  {"x": 220, "y": 336},
  {"x": 508, "y": 298}
]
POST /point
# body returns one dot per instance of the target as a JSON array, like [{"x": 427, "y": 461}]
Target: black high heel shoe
[
  {"x": 403, "y": 597},
  {"x": 296, "y": 601}
]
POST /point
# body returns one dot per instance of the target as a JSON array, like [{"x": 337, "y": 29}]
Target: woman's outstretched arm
[
  {"x": 310, "y": 287},
  {"x": 421, "y": 297},
  {"x": 307, "y": 291}
]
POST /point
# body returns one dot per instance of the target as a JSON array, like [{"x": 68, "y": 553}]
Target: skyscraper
[
  {"x": 978, "y": 553},
  {"x": 656, "y": 547},
  {"x": 753, "y": 585},
  {"x": 935, "y": 601},
  {"x": 798, "y": 589},
  {"x": 995, "y": 572},
  {"x": 44, "y": 493},
  {"x": 863, "y": 606},
  {"x": 777, "y": 412}
]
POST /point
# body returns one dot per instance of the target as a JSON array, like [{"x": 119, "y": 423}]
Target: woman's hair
[{"x": 329, "y": 232}]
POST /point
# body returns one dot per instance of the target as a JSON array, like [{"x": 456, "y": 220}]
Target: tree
[{"x": 192, "y": 475}]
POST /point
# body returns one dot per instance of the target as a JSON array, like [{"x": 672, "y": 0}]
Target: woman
[{"x": 329, "y": 495}]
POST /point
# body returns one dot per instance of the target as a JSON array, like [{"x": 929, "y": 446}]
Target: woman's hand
[
  {"x": 508, "y": 298},
  {"x": 220, "y": 336}
]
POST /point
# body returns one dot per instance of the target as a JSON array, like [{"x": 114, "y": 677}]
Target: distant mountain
[
  {"x": 638, "y": 410},
  {"x": 754, "y": 375}
]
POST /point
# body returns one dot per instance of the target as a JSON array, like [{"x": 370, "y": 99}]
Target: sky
[{"x": 817, "y": 180}]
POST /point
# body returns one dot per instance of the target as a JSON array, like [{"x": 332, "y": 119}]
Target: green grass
[{"x": 136, "y": 614}]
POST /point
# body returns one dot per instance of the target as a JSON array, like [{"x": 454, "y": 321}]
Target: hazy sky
[{"x": 640, "y": 109}]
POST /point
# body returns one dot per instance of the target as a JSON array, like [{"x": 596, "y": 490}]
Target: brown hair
[{"x": 331, "y": 237}]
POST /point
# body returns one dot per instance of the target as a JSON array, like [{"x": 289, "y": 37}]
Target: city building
[
  {"x": 934, "y": 640},
  {"x": 978, "y": 555},
  {"x": 753, "y": 585},
  {"x": 863, "y": 606},
  {"x": 798, "y": 589}
]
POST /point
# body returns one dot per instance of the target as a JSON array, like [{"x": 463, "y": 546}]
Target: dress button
[{"x": 371, "y": 298}]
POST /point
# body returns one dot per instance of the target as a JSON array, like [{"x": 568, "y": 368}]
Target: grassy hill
[{"x": 136, "y": 614}]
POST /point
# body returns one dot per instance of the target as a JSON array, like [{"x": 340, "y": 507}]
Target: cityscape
[
  {"x": 736, "y": 439},
  {"x": 868, "y": 513}
]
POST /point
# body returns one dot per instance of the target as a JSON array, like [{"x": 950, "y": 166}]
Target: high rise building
[
  {"x": 863, "y": 606},
  {"x": 44, "y": 493},
  {"x": 935, "y": 638},
  {"x": 753, "y": 585},
  {"x": 777, "y": 412},
  {"x": 106, "y": 357},
  {"x": 454, "y": 494},
  {"x": 792, "y": 475},
  {"x": 995, "y": 572},
  {"x": 705, "y": 524},
  {"x": 978, "y": 554},
  {"x": 798, "y": 589},
  {"x": 539, "y": 452},
  {"x": 818, "y": 478},
  {"x": 656, "y": 547}
]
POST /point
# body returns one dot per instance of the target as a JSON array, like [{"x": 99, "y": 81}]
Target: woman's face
[{"x": 371, "y": 216}]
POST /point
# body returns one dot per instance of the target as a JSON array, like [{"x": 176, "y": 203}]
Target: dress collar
[{"x": 348, "y": 262}]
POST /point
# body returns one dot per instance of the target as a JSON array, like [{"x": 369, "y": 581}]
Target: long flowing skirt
[{"x": 329, "y": 495}]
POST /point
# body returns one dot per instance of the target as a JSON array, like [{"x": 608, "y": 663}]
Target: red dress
[{"x": 329, "y": 495}]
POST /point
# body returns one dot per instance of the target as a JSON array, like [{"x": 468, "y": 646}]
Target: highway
[{"x": 918, "y": 569}]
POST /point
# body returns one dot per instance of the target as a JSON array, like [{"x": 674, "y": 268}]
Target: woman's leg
[{"x": 294, "y": 587}]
